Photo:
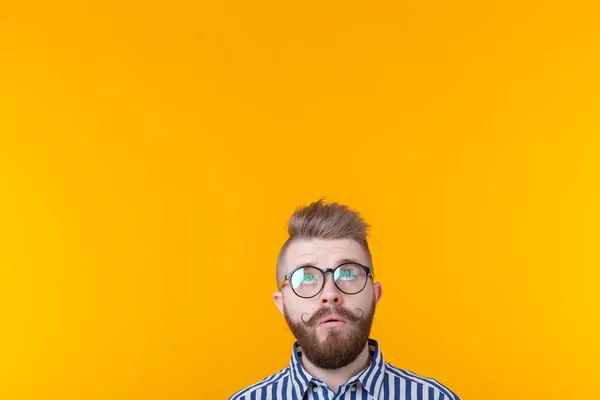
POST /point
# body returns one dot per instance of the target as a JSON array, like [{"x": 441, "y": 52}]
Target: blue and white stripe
[{"x": 379, "y": 381}]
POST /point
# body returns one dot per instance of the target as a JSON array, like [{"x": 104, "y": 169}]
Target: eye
[
  {"x": 347, "y": 275},
  {"x": 310, "y": 278}
]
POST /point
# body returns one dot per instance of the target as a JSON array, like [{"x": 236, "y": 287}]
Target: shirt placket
[{"x": 317, "y": 391}]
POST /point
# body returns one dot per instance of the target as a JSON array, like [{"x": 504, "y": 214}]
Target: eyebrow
[{"x": 339, "y": 262}]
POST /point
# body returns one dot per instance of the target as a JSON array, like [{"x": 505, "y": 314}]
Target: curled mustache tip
[{"x": 302, "y": 318}]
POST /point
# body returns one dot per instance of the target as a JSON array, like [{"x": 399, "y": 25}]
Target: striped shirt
[{"x": 379, "y": 381}]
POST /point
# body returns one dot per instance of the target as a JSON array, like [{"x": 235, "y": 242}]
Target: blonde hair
[{"x": 324, "y": 221}]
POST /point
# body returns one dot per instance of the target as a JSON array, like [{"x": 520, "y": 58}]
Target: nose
[{"x": 330, "y": 295}]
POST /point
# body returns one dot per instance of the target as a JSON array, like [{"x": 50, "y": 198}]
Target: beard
[{"x": 341, "y": 346}]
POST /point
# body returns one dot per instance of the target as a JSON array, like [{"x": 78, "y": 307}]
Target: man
[{"x": 328, "y": 298}]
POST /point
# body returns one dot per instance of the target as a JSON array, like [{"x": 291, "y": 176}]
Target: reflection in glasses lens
[{"x": 308, "y": 281}]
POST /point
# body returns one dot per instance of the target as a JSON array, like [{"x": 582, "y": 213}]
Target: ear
[
  {"x": 278, "y": 299},
  {"x": 378, "y": 291}
]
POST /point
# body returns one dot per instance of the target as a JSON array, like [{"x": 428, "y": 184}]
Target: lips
[{"x": 331, "y": 321}]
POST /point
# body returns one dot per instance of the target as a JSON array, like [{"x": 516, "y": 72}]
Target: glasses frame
[{"x": 288, "y": 277}]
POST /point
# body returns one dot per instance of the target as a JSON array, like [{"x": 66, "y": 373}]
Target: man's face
[{"x": 332, "y": 328}]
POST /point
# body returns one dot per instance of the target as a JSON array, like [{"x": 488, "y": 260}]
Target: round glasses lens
[
  {"x": 307, "y": 281},
  {"x": 350, "y": 278}
]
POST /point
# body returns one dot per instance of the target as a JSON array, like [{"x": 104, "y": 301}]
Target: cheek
[
  {"x": 364, "y": 301},
  {"x": 296, "y": 307}
]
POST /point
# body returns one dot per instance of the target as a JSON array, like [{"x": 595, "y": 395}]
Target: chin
[{"x": 332, "y": 333}]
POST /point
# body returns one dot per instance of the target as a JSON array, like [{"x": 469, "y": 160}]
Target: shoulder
[
  {"x": 428, "y": 384},
  {"x": 274, "y": 384}
]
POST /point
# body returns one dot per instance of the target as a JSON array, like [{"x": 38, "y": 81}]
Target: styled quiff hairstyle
[{"x": 324, "y": 221}]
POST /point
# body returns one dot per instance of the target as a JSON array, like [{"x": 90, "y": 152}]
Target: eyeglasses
[{"x": 308, "y": 281}]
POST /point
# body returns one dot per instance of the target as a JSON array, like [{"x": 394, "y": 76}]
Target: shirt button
[
  {"x": 353, "y": 388},
  {"x": 315, "y": 389}
]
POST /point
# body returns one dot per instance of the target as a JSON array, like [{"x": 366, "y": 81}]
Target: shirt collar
[
  {"x": 371, "y": 378},
  {"x": 298, "y": 376}
]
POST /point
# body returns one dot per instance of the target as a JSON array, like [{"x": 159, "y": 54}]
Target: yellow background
[{"x": 151, "y": 153}]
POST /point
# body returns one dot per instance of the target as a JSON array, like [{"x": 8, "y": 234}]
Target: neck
[{"x": 334, "y": 378}]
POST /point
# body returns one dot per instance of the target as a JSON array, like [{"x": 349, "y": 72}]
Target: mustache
[{"x": 327, "y": 311}]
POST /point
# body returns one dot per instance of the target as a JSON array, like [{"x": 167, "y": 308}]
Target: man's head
[{"x": 329, "y": 313}]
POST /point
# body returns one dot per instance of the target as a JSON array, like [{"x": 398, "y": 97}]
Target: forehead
[{"x": 323, "y": 253}]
